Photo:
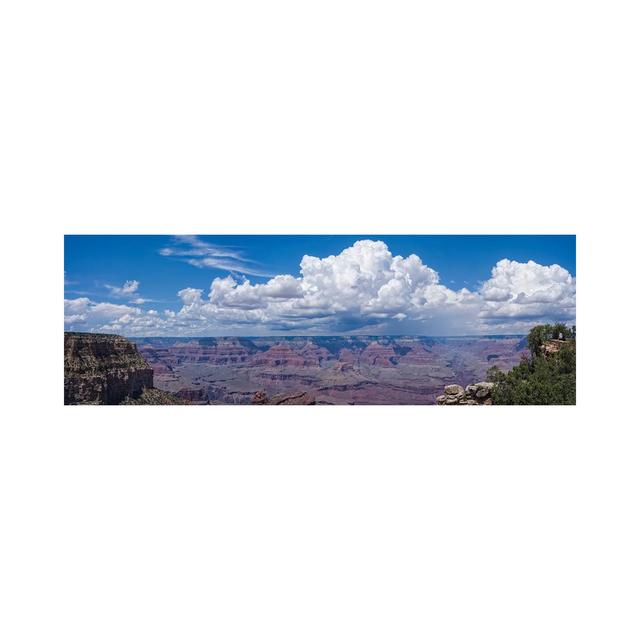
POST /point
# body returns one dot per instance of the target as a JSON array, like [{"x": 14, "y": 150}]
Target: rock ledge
[{"x": 478, "y": 393}]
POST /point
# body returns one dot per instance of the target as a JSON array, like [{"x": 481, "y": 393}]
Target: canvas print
[{"x": 452, "y": 320}]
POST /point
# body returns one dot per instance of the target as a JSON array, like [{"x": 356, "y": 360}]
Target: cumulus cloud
[
  {"x": 127, "y": 289},
  {"x": 528, "y": 290},
  {"x": 84, "y": 313},
  {"x": 362, "y": 289}
]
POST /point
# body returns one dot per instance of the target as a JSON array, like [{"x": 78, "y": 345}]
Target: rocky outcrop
[
  {"x": 551, "y": 347},
  {"x": 479, "y": 393},
  {"x": 260, "y": 397},
  {"x": 103, "y": 369}
]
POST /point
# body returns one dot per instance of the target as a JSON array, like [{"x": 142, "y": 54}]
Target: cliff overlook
[
  {"x": 105, "y": 369},
  {"x": 546, "y": 376}
]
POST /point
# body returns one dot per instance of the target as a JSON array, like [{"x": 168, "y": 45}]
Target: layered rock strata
[{"x": 103, "y": 369}]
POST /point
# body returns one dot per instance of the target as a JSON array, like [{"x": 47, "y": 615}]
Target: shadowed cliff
[{"x": 107, "y": 369}]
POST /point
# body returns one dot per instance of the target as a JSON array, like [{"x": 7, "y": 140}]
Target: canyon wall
[
  {"x": 331, "y": 369},
  {"x": 103, "y": 369}
]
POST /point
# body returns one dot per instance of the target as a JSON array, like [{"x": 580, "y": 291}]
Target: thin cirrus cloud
[
  {"x": 204, "y": 255},
  {"x": 365, "y": 288}
]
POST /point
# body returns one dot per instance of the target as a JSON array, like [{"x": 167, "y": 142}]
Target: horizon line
[{"x": 323, "y": 335}]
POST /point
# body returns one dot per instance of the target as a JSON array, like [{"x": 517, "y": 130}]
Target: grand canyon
[
  {"x": 317, "y": 319},
  {"x": 324, "y": 370}
]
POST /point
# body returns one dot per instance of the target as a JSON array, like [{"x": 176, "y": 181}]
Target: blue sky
[{"x": 133, "y": 284}]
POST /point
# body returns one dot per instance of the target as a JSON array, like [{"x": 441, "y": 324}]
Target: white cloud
[
  {"x": 83, "y": 314},
  {"x": 205, "y": 255},
  {"x": 127, "y": 289},
  {"x": 190, "y": 296},
  {"x": 528, "y": 290},
  {"x": 362, "y": 289},
  {"x": 363, "y": 286}
]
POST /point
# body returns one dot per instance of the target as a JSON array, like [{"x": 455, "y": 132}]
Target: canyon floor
[{"x": 333, "y": 369}]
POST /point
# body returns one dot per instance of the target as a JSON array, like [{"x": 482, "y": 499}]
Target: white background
[{"x": 301, "y": 117}]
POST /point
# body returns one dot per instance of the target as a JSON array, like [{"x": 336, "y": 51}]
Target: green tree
[
  {"x": 539, "y": 378},
  {"x": 537, "y": 337}
]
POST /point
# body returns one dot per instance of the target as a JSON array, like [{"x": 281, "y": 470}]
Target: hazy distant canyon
[{"x": 334, "y": 369}]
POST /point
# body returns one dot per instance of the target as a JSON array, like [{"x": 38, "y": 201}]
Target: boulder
[
  {"x": 453, "y": 390},
  {"x": 474, "y": 394}
]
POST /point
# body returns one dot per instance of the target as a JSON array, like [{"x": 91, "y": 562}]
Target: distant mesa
[{"x": 343, "y": 370}]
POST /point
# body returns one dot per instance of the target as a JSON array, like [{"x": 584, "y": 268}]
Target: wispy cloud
[{"x": 204, "y": 255}]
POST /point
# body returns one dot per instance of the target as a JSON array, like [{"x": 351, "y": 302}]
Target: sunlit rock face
[{"x": 103, "y": 369}]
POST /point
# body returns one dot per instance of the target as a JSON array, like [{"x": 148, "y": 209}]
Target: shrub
[{"x": 539, "y": 379}]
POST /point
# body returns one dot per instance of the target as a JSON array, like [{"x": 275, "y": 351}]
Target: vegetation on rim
[{"x": 546, "y": 376}]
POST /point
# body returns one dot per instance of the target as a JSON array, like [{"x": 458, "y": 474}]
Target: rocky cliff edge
[{"x": 103, "y": 369}]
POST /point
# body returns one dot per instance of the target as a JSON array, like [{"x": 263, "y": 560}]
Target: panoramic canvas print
[{"x": 320, "y": 320}]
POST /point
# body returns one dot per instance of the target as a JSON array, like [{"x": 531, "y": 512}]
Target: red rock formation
[
  {"x": 378, "y": 355},
  {"x": 314, "y": 356},
  {"x": 362, "y": 370},
  {"x": 226, "y": 351},
  {"x": 280, "y": 355},
  {"x": 417, "y": 355}
]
